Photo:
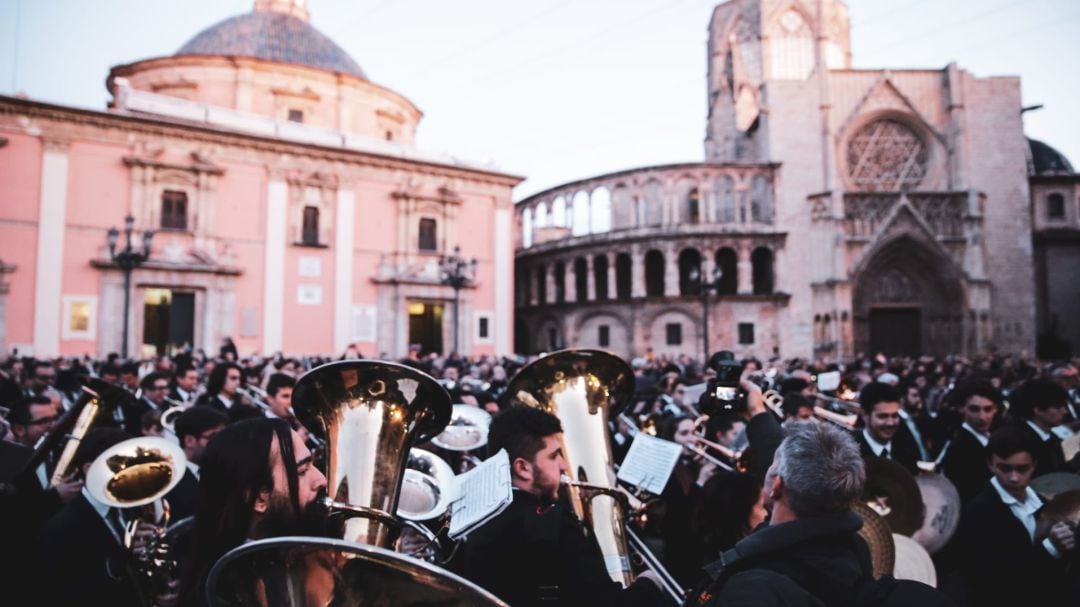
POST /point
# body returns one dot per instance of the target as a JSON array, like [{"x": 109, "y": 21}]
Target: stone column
[
  {"x": 637, "y": 271},
  {"x": 671, "y": 270},
  {"x": 274, "y": 262},
  {"x": 343, "y": 268},
  {"x": 49, "y": 261},
  {"x": 549, "y": 278},
  {"x": 746, "y": 269},
  {"x": 590, "y": 279},
  {"x": 611, "y": 276}
]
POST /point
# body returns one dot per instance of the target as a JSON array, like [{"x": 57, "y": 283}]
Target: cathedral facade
[
  {"x": 837, "y": 211},
  {"x": 290, "y": 209}
]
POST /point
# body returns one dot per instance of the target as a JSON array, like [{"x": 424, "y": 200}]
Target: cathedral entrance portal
[{"x": 908, "y": 300}]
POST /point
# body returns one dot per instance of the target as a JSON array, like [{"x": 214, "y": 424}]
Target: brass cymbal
[
  {"x": 913, "y": 562},
  {"x": 941, "y": 506},
  {"x": 892, "y": 492},
  {"x": 1049, "y": 485},
  {"x": 878, "y": 537}
]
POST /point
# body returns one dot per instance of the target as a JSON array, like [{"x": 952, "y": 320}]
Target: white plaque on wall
[
  {"x": 309, "y": 295},
  {"x": 363, "y": 323},
  {"x": 310, "y": 266}
]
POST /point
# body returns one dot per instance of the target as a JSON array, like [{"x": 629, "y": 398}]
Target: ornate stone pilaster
[{"x": 590, "y": 279}]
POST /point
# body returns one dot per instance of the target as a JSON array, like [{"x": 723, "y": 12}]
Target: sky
[{"x": 554, "y": 90}]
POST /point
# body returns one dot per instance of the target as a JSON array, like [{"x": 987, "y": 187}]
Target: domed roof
[
  {"x": 272, "y": 36},
  {"x": 1046, "y": 160}
]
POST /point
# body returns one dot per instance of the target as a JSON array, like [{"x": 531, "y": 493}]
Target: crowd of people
[{"x": 756, "y": 511}]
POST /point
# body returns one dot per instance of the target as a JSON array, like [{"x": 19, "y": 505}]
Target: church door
[
  {"x": 425, "y": 326},
  {"x": 896, "y": 331}
]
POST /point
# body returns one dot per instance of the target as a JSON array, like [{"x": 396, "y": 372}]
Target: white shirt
[
  {"x": 184, "y": 395},
  {"x": 875, "y": 446},
  {"x": 225, "y": 401},
  {"x": 982, "y": 438},
  {"x": 193, "y": 467},
  {"x": 1025, "y": 512},
  {"x": 910, "y": 421},
  {"x": 102, "y": 510}
]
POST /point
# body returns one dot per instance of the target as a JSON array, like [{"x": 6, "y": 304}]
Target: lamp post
[
  {"x": 704, "y": 288},
  {"x": 457, "y": 273},
  {"x": 128, "y": 259}
]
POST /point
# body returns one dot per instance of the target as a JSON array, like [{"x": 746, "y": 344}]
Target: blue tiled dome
[{"x": 275, "y": 37}]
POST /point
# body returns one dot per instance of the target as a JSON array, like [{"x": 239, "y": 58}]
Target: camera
[{"x": 722, "y": 393}]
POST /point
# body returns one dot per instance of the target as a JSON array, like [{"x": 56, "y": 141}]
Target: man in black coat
[
  {"x": 964, "y": 462},
  {"x": 810, "y": 553},
  {"x": 881, "y": 436},
  {"x": 535, "y": 551},
  {"x": 1038, "y": 406},
  {"x": 193, "y": 428},
  {"x": 1002, "y": 560},
  {"x": 79, "y": 552}
]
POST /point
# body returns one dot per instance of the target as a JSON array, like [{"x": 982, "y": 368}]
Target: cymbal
[
  {"x": 878, "y": 537},
  {"x": 310, "y": 572},
  {"x": 941, "y": 504},
  {"x": 892, "y": 492},
  {"x": 913, "y": 562},
  {"x": 1049, "y": 485}
]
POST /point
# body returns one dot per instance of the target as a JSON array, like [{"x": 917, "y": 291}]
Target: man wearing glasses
[
  {"x": 154, "y": 387},
  {"x": 42, "y": 376}
]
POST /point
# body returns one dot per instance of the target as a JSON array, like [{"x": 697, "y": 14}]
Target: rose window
[{"x": 886, "y": 156}]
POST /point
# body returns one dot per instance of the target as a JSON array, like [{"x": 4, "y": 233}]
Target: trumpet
[
  {"x": 847, "y": 422},
  {"x": 256, "y": 396},
  {"x": 723, "y": 450},
  {"x": 850, "y": 406},
  {"x": 168, "y": 418}
]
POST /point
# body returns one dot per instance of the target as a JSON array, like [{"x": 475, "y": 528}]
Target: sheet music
[
  {"x": 480, "y": 494},
  {"x": 649, "y": 463},
  {"x": 828, "y": 381},
  {"x": 691, "y": 394},
  {"x": 1070, "y": 447}
]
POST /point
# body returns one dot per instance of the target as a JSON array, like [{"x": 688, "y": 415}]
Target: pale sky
[{"x": 554, "y": 90}]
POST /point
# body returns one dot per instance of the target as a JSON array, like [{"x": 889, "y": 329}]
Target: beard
[{"x": 280, "y": 520}]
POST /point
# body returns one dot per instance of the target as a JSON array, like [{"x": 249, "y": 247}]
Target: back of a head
[
  {"x": 1036, "y": 394},
  {"x": 821, "y": 468},
  {"x": 876, "y": 392},
  {"x": 521, "y": 430},
  {"x": 975, "y": 386},
  {"x": 793, "y": 401},
  {"x": 196, "y": 420}
]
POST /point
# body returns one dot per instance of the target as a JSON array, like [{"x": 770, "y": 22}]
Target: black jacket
[
  {"x": 998, "y": 562},
  {"x": 902, "y": 448},
  {"x": 534, "y": 554},
  {"x": 1049, "y": 457},
  {"x": 81, "y": 560},
  {"x": 965, "y": 465},
  {"x": 183, "y": 496},
  {"x": 811, "y": 561}
]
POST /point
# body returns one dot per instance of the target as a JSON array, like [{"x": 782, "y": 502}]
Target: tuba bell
[
  {"x": 583, "y": 388},
  {"x": 370, "y": 414}
]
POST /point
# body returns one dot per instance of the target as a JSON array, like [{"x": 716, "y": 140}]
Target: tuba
[
  {"x": 99, "y": 403},
  {"x": 134, "y": 476},
  {"x": 369, "y": 414},
  {"x": 583, "y": 388}
]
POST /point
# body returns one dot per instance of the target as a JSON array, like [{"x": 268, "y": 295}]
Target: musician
[
  {"x": 279, "y": 389},
  {"x": 185, "y": 382},
  {"x": 40, "y": 376},
  {"x": 153, "y": 388},
  {"x": 724, "y": 428},
  {"x": 732, "y": 506},
  {"x": 797, "y": 406},
  {"x": 129, "y": 376},
  {"x": 965, "y": 457},
  {"x": 1066, "y": 376},
  {"x": 256, "y": 480},
  {"x": 925, "y": 430},
  {"x": 810, "y": 552},
  {"x": 535, "y": 551},
  {"x": 1002, "y": 562},
  {"x": 194, "y": 428},
  {"x": 222, "y": 386},
  {"x": 1038, "y": 406},
  {"x": 79, "y": 553},
  {"x": 879, "y": 437}
]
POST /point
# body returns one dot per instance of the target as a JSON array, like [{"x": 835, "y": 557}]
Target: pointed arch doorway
[{"x": 908, "y": 300}]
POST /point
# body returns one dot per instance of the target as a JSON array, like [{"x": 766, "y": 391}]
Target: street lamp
[
  {"x": 128, "y": 259},
  {"x": 704, "y": 288},
  {"x": 457, "y": 273}
]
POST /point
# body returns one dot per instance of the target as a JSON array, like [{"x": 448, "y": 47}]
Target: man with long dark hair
[{"x": 256, "y": 480}]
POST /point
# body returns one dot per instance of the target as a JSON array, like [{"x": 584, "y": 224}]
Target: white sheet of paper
[
  {"x": 691, "y": 394},
  {"x": 829, "y": 381},
  {"x": 480, "y": 494},
  {"x": 649, "y": 463}
]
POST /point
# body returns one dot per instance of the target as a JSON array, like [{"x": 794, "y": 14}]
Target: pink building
[{"x": 290, "y": 207}]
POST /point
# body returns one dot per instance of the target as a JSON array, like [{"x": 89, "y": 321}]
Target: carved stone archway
[{"x": 909, "y": 299}]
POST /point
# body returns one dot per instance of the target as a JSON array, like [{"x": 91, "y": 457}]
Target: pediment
[{"x": 883, "y": 98}]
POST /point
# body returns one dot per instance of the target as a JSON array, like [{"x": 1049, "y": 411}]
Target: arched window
[
  {"x": 541, "y": 285},
  {"x": 600, "y": 276},
  {"x": 526, "y": 228},
  {"x": 693, "y": 206},
  {"x": 792, "y": 47},
  {"x": 558, "y": 213},
  {"x": 654, "y": 203},
  {"x": 581, "y": 280},
  {"x": 1055, "y": 206},
  {"x": 580, "y": 212},
  {"x": 725, "y": 199},
  {"x": 762, "y": 262},
  {"x": 760, "y": 200},
  {"x": 541, "y": 220},
  {"x": 600, "y": 211},
  {"x": 622, "y": 208},
  {"x": 623, "y": 276},
  {"x": 728, "y": 262},
  {"x": 689, "y": 272},
  {"x": 560, "y": 282},
  {"x": 654, "y": 274}
]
